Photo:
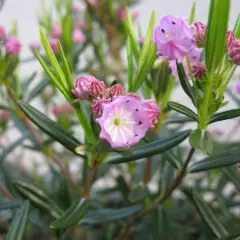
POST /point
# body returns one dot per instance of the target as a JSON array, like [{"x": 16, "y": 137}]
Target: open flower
[
  {"x": 124, "y": 122},
  {"x": 13, "y": 45},
  {"x": 174, "y": 37}
]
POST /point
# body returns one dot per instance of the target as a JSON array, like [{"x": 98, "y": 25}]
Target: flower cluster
[{"x": 123, "y": 117}]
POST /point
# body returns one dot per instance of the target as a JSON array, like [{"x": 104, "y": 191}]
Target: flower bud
[
  {"x": 97, "y": 88},
  {"x": 54, "y": 44},
  {"x": 82, "y": 85},
  {"x": 198, "y": 70},
  {"x": 234, "y": 52},
  {"x": 117, "y": 90},
  {"x": 199, "y": 33},
  {"x": 230, "y": 38},
  {"x": 97, "y": 105},
  {"x": 2, "y": 32},
  {"x": 4, "y": 116},
  {"x": 153, "y": 110},
  {"x": 13, "y": 45},
  {"x": 56, "y": 31},
  {"x": 78, "y": 36}
]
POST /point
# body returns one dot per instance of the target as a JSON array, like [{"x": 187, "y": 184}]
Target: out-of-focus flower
[
  {"x": 2, "y": 32},
  {"x": 230, "y": 38},
  {"x": 141, "y": 40},
  {"x": 54, "y": 44},
  {"x": 199, "y": 33},
  {"x": 117, "y": 90},
  {"x": 94, "y": 3},
  {"x": 234, "y": 52},
  {"x": 82, "y": 85},
  {"x": 199, "y": 70},
  {"x": 78, "y": 36},
  {"x": 123, "y": 14},
  {"x": 65, "y": 109},
  {"x": 56, "y": 31},
  {"x": 238, "y": 87},
  {"x": 4, "y": 116},
  {"x": 13, "y": 45},
  {"x": 35, "y": 46},
  {"x": 124, "y": 122},
  {"x": 97, "y": 105},
  {"x": 174, "y": 37},
  {"x": 81, "y": 24},
  {"x": 97, "y": 88},
  {"x": 76, "y": 8},
  {"x": 153, "y": 110},
  {"x": 238, "y": 165}
]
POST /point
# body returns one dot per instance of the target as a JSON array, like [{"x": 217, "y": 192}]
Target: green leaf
[
  {"x": 185, "y": 83},
  {"x": 193, "y": 13},
  {"x": 217, "y": 29},
  {"x": 73, "y": 215},
  {"x": 130, "y": 65},
  {"x": 19, "y": 223},
  {"x": 225, "y": 115},
  {"x": 207, "y": 214},
  {"x": 37, "y": 197},
  {"x": 237, "y": 28},
  {"x": 220, "y": 160},
  {"x": 28, "y": 81},
  {"x": 150, "y": 149},
  {"x": 183, "y": 109},
  {"x": 12, "y": 147},
  {"x": 232, "y": 236},
  {"x": 50, "y": 127},
  {"x": 233, "y": 174},
  {"x": 109, "y": 214}
]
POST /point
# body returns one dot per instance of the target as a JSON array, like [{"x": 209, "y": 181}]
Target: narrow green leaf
[
  {"x": 193, "y": 13},
  {"x": 50, "y": 127},
  {"x": 183, "y": 109},
  {"x": 185, "y": 83},
  {"x": 225, "y": 115},
  {"x": 237, "y": 28},
  {"x": 73, "y": 215},
  {"x": 208, "y": 215},
  {"x": 37, "y": 197},
  {"x": 109, "y": 214},
  {"x": 28, "y": 81},
  {"x": 19, "y": 223},
  {"x": 220, "y": 160},
  {"x": 130, "y": 65},
  {"x": 232, "y": 236},
  {"x": 150, "y": 149}
]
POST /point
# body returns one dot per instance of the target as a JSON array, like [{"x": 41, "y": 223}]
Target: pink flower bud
[
  {"x": 54, "y": 44},
  {"x": 199, "y": 70},
  {"x": 97, "y": 88},
  {"x": 2, "y": 32},
  {"x": 82, "y": 85},
  {"x": 34, "y": 46},
  {"x": 199, "y": 33},
  {"x": 230, "y": 38},
  {"x": 78, "y": 36},
  {"x": 63, "y": 109},
  {"x": 153, "y": 110},
  {"x": 56, "y": 31},
  {"x": 4, "y": 116},
  {"x": 97, "y": 106},
  {"x": 13, "y": 45},
  {"x": 234, "y": 52},
  {"x": 117, "y": 90}
]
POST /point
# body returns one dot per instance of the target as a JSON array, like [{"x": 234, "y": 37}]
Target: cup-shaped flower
[
  {"x": 117, "y": 90},
  {"x": 97, "y": 105},
  {"x": 2, "y": 32},
  {"x": 199, "y": 33},
  {"x": 54, "y": 44},
  {"x": 13, "y": 45},
  {"x": 153, "y": 111},
  {"x": 56, "y": 31},
  {"x": 174, "y": 37},
  {"x": 82, "y": 85},
  {"x": 97, "y": 88},
  {"x": 78, "y": 36},
  {"x": 234, "y": 52},
  {"x": 124, "y": 122}
]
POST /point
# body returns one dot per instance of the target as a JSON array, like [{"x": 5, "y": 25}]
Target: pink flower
[
  {"x": 117, "y": 90},
  {"x": 199, "y": 33},
  {"x": 34, "y": 46},
  {"x": 230, "y": 38},
  {"x": 153, "y": 110},
  {"x": 2, "y": 32},
  {"x": 54, "y": 44},
  {"x": 76, "y": 8},
  {"x": 124, "y": 122},
  {"x": 82, "y": 85},
  {"x": 97, "y": 105},
  {"x": 238, "y": 87},
  {"x": 173, "y": 37},
  {"x": 56, "y": 31},
  {"x": 199, "y": 70},
  {"x": 78, "y": 36},
  {"x": 194, "y": 55},
  {"x": 97, "y": 88},
  {"x": 82, "y": 24},
  {"x": 234, "y": 52},
  {"x": 4, "y": 116},
  {"x": 63, "y": 109},
  {"x": 13, "y": 45}
]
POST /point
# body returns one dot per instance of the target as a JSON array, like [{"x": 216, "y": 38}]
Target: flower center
[
  {"x": 117, "y": 121},
  {"x": 168, "y": 37}
]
